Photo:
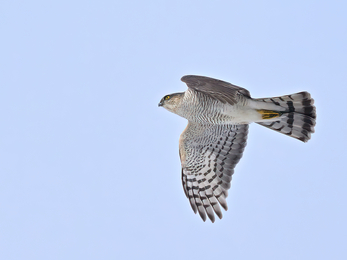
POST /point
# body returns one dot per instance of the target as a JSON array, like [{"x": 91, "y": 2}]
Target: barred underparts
[{"x": 213, "y": 142}]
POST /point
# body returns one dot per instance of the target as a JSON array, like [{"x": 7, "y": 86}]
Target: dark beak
[{"x": 160, "y": 104}]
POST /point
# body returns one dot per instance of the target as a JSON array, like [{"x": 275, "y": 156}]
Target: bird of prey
[{"x": 212, "y": 144}]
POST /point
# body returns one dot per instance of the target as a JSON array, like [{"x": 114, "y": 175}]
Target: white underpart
[
  {"x": 197, "y": 107},
  {"x": 240, "y": 114},
  {"x": 248, "y": 112}
]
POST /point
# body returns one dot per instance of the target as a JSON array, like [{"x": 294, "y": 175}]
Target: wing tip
[
  {"x": 191, "y": 79},
  {"x": 188, "y": 76}
]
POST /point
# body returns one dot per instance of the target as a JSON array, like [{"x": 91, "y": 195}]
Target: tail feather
[{"x": 298, "y": 115}]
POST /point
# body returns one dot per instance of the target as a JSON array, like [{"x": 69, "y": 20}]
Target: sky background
[{"x": 89, "y": 165}]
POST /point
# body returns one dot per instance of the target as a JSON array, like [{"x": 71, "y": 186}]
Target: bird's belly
[
  {"x": 219, "y": 113},
  {"x": 240, "y": 115}
]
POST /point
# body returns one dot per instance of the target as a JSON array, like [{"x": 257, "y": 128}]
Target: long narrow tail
[{"x": 295, "y": 116}]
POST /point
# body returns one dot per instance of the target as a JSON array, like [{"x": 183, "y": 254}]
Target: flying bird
[{"x": 212, "y": 144}]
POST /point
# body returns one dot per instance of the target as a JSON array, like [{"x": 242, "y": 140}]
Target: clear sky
[{"x": 89, "y": 164}]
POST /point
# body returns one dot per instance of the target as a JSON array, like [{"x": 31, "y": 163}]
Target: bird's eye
[{"x": 166, "y": 97}]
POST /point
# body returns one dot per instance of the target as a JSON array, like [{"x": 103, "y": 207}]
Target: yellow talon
[{"x": 268, "y": 114}]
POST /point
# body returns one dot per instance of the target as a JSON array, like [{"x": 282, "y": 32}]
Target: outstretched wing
[
  {"x": 217, "y": 89},
  {"x": 208, "y": 155}
]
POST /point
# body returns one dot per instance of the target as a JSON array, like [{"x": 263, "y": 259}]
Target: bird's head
[{"x": 171, "y": 102}]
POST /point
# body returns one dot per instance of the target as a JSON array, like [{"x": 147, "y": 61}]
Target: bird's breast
[{"x": 203, "y": 109}]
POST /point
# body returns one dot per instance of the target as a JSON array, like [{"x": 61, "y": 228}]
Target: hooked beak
[{"x": 160, "y": 104}]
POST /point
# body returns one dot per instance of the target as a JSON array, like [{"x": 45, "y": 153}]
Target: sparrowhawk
[{"x": 212, "y": 144}]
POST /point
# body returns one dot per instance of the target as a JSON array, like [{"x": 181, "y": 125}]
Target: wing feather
[
  {"x": 216, "y": 89},
  {"x": 209, "y": 154}
]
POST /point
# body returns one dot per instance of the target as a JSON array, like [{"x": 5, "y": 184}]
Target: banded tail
[{"x": 295, "y": 116}]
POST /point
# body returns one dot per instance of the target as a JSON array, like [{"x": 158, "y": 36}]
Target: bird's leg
[{"x": 268, "y": 114}]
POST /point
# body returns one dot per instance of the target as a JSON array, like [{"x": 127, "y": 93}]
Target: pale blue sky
[{"x": 89, "y": 164}]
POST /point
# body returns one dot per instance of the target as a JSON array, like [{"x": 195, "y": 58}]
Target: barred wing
[
  {"x": 208, "y": 155},
  {"x": 215, "y": 88}
]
